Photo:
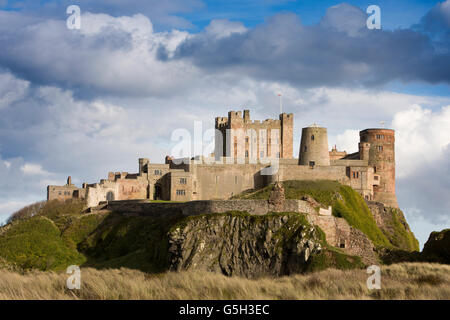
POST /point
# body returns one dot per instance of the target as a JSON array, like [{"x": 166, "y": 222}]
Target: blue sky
[
  {"x": 396, "y": 13},
  {"x": 85, "y": 102}
]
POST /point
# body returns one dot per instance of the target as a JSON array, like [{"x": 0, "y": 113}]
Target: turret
[
  {"x": 143, "y": 165},
  {"x": 314, "y": 147},
  {"x": 381, "y": 157},
  {"x": 287, "y": 129}
]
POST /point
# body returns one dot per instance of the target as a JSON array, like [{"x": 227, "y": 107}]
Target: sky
[{"x": 86, "y": 101}]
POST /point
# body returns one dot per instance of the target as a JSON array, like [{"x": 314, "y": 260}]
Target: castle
[{"x": 244, "y": 151}]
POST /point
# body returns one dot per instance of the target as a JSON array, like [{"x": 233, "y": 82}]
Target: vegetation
[
  {"x": 353, "y": 208},
  {"x": 323, "y": 191},
  {"x": 348, "y": 204},
  {"x": 36, "y": 243},
  {"x": 26, "y": 212},
  {"x": 400, "y": 281},
  {"x": 398, "y": 234}
]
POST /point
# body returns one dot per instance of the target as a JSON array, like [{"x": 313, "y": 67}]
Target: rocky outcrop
[
  {"x": 244, "y": 245},
  {"x": 393, "y": 224},
  {"x": 437, "y": 248}
]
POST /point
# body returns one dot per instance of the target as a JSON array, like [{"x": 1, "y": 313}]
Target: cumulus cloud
[
  {"x": 108, "y": 55},
  {"x": 11, "y": 89},
  {"x": 424, "y": 135},
  {"x": 339, "y": 51}
]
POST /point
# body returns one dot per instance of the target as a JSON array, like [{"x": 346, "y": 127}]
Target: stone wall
[
  {"x": 337, "y": 231},
  {"x": 340, "y": 234},
  {"x": 165, "y": 209}
]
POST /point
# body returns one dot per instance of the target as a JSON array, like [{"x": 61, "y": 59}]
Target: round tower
[
  {"x": 314, "y": 147},
  {"x": 382, "y": 159}
]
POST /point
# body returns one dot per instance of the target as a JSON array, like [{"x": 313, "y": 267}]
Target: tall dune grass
[{"x": 400, "y": 281}]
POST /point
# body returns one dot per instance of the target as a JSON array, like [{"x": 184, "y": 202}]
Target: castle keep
[{"x": 243, "y": 149}]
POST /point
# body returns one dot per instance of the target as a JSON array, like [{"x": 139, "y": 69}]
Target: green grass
[
  {"x": 37, "y": 243},
  {"x": 355, "y": 211},
  {"x": 401, "y": 237},
  {"x": 332, "y": 257},
  {"x": 324, "y": 191}
]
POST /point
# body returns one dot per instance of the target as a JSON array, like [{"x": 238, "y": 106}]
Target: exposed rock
[
  {"x": 277, "y": 197},
  {"x": 243, "y": 245},
  {"x": 311, "y": 201},
  {"x": 437, "y": 248}
]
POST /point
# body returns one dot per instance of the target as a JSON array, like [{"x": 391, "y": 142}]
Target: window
[
  {"x": 380, "y": 136},
  {"x": 158, "y": 172},
  {"x": 355, "y": 174},
  {"x": 312, "y": 164},
  {"x": 312, "y": 137},
  {"x": 306, "y": 148},
  {"x": 374, "y": 169},
  {"x": 375, "y": 177},
  {"x": 342, "y": 245},
  {"x": 278, "y": 154},
  {"x": 246, "y": 139},
  {"x": 380, "y": 148},
  {"x": 246, "y": 153},
  {"x": 261, "y": 154},
  {"x": 181, "y": 192},
  {"x": 183, "y": 180}
]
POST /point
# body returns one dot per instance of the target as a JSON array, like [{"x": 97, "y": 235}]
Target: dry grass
[{"x": 399, "y": 281}]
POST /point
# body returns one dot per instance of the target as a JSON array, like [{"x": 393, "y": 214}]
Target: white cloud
[
  {"x": 11, "y": 89},
  {"x": 224, "y": 28},
  {"x": 32, "y": 169},
  {"x": 7, "y": 207},
  {"x": 348, "y": 141},
  {"x": 421, "y": 137}
]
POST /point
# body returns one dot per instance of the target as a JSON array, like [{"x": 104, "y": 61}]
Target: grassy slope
[
  {"x": 400, "y": 236},
  {"x": 346, "y": 203},
  {"x": 37, "y": 243}
]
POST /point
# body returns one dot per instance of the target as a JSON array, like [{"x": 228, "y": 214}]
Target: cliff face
[
  {"x": 393, "y": 224},
  {"x": 437, "y": 248},
  {"x": 252, "y": 246},
  {"x": 237, "y": 244}
]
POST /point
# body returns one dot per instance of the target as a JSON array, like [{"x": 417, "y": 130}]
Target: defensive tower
[
  {"x": 314, "y": 147},
  {"x": 382, "y": 159}
]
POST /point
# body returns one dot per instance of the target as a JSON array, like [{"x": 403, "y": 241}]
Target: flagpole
[{"x": 281, "y": 103}]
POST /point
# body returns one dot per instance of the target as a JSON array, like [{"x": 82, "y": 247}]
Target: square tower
[{"x": 238, "y": 136}]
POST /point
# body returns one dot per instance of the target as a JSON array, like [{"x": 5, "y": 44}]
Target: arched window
[{"x": 312, "y": 137}]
